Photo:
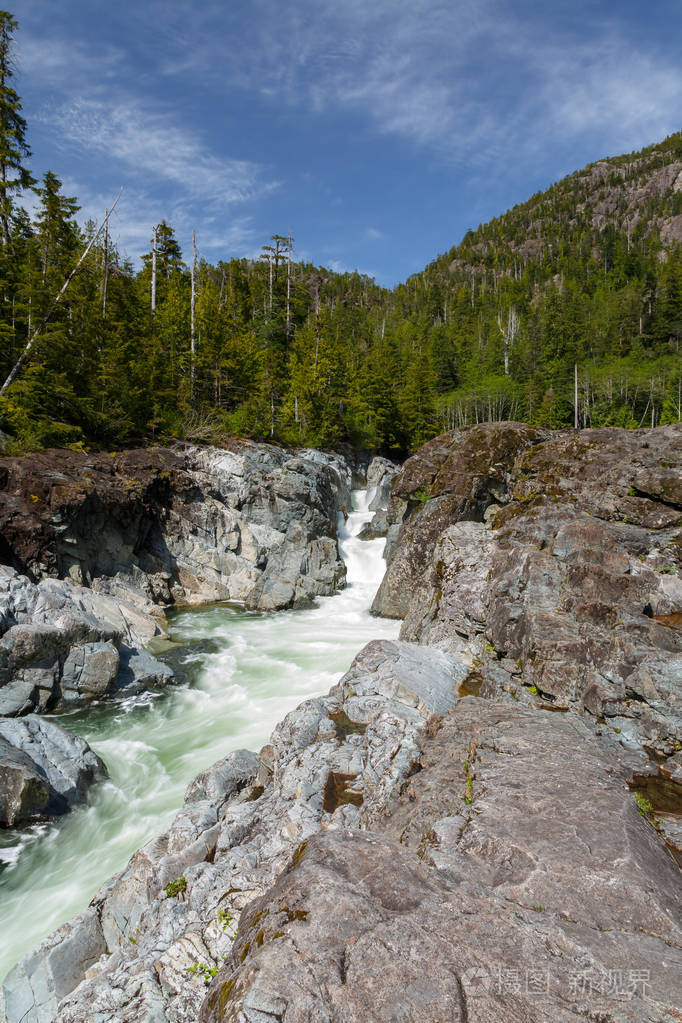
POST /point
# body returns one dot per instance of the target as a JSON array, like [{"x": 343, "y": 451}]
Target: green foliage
[
  {"x": 644, "y": 807},
  {"x": 294, "y": 353},
  {"x": 226, "y": 921},
  {"x": 468, "y": 773},
  {"x": 177, "y": 888},
  {"x": 207, "y": 973}
]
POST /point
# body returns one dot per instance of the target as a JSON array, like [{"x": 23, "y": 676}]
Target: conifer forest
[{"x": 582, "y": 281}]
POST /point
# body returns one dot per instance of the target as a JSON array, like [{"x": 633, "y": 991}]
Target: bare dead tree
[
  {"x": 154, "y": 229},
  {"x": 508, "y": 332},
  {"x": 193, "y": 310},
  {"x": 575, "y": 396},
  {"x": 289, "y": 247},
  {"x": 105, "y": 268}
]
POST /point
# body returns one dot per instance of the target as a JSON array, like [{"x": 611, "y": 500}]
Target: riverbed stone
[
  {"x": 88, "y": 671},
  {"x": 45, "y": 771},
  {"x": 24, "y": 789}
]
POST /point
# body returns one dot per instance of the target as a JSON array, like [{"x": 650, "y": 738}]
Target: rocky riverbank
[
  {"x": 96, "y": 546},
  {"x": 480, "y": 821}
]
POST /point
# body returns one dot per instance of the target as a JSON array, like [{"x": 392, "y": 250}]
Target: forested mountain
[{"x": 588, "y": 272}]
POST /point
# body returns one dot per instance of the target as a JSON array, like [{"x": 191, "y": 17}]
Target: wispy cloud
[
  {"x": 138, "y": 210},
  {"x": 489, "y": 79},
  {"x": 52, "y": 61},
  {"x": 153, "y": 142}
]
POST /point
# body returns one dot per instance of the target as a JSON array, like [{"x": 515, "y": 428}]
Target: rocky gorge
[
  {"x": 480, "y": 821},
  {"x": 96, "y": 546}
]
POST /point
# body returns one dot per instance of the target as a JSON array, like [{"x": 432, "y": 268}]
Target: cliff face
[
  {"x": 452, "y": 833},
  {"x": 180, "y": 526},
  {"x": 96, "y": 546},
  {"x": 568, "y": 594}
]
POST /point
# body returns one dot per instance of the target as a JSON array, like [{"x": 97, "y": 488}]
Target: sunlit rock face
[
  {"x": 96, "y": 545},
  {"x": 480, "y": 821}
]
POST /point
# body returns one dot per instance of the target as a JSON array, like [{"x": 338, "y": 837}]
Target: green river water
[{"x": 245, "y": 672}]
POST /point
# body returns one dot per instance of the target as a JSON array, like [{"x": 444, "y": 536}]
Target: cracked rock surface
[{"x": 480, "y": 822}]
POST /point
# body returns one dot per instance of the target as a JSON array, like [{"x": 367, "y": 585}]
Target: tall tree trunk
[
  {"x": 289, "y": 287},
  {"x": 105, "y": 278},
  {"x": 155, "y": 228},
  {"x": 575, "y": 385},
  {"x": 193, "y": 311}
]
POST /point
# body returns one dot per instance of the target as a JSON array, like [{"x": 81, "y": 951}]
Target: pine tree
[{"x": 13, "y": 146}]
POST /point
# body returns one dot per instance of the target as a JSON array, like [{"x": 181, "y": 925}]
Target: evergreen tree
[{"x": 14, "y": 149}]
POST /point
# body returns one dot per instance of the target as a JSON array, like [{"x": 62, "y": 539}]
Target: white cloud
[
  {"x": 473, "y": 83},
  {"x": 148, "y": 140}
]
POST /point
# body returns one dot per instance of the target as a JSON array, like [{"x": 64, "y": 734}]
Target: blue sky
[{"x": 376, "y": 132}]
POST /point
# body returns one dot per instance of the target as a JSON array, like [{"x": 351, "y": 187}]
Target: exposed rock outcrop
[
  {"x": 566, "y": 597},
  {"x": 64, "y": 644},
  {"x": 331, "y": 761},
  {"x": 182, "y": 526},
  {"x": 493, "y": 885},
  {"x": 94, "y": 543},
  {"x": 455, "y": 476},
  {"x": 380, "y": 475},
  {"x": 405, "y": 850},
  {"x": 43, "y": 770}
]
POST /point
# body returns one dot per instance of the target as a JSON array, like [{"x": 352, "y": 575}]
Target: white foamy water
[{"x": 257, "y": 668}]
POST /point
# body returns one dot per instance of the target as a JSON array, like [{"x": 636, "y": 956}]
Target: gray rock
[
  {"x": 491, "y": 886},
  {"x": 24, "y": 789},
  {"x": 380, "y": 475},
  {"x": 35, "y": 986},
  {"x": 139, "y": 671},
  {"x": 224, "y": 779},
  {"x": 88, "y": 671},
  {"x": 43, "y": 769}
]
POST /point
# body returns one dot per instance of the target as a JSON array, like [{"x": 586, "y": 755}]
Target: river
[{"x": 247, "y": 670}]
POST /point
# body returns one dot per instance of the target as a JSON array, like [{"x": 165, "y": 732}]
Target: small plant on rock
[
  {"x": 468, "y": 798},
  {"x": 643, "y": 805},
  {"x": 646, "y": 809},
  {"x": 204, "y": 971},
  {"x": 227, "y": 922},
  {"x": 177, "y": 888}
]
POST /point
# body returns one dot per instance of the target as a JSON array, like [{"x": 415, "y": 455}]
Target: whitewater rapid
[{"x": 248, "y": 670}]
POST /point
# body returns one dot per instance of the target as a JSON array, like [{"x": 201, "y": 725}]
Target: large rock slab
[
  {"x": 184, "y": 526},
  {"x": 452, "y": 478},
  {"x": 567, "y": 593},
  {"x": 34, "y": 988},
  {"x": 65, "y": 644},
  {"x": 44, "y": 770},
  {"x": 524, "y": 894}
]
